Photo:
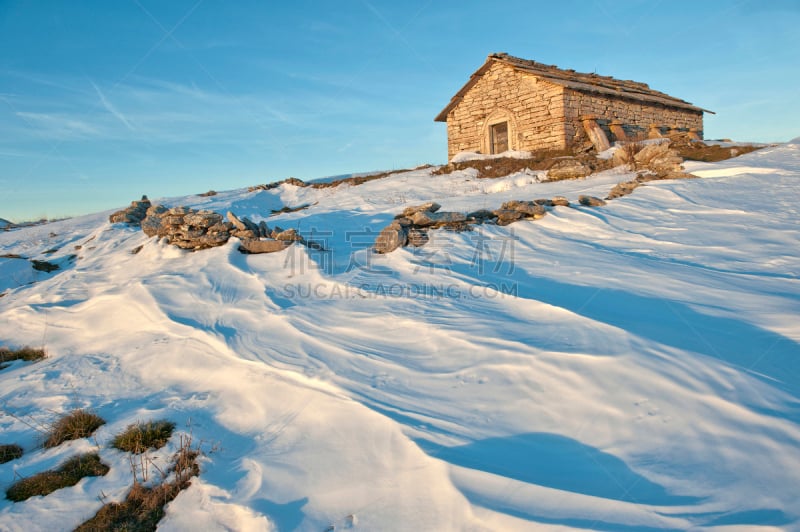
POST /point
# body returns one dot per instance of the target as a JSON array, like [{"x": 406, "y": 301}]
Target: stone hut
[{"x": 516, "y": 104}]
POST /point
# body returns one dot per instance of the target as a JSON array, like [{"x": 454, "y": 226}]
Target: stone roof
[{"x": 578, "y": 81}]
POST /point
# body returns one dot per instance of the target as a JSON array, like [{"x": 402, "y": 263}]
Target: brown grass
[
  {"x": 697, "y": 151},
  {"x": 10, "y": 452},
  {"x": 74, "y": 425},
  {"x": 139, "y": 437},
  {"x": 29, "y": 354},
  {"x": 539, "y": 160},
  {"x": 354, "y": 181},
  {"x": 68, "y": 474},
  {"x": 143, "y": 507}
]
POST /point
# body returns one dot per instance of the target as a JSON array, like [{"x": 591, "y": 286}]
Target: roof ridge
[{"x": 574, "y": 80}]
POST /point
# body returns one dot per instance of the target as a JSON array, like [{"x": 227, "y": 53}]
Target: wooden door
[{"x": 499, "y": 133}]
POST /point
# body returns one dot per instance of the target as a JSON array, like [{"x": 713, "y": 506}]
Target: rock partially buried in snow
[
  {"x": 658, "y": 157},
  {"x": 591, "y": 201},
  {"x": 263, "y": 246},
  {"x": 529, "y": 209},
  {"x": 431, "y": 206},
  {"x": 508, "y": 216},
  {"x": 560, "y": 201},
  {"x": 429, "y": 218}
]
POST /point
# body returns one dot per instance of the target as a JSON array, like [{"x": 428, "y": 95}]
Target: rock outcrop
[{"x": 132, "y": 215}]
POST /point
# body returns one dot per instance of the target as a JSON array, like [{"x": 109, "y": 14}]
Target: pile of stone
[
  {"x": 411, "y": 227},
  {"x": 201, "y": 229},
  {"x": 132, "y": 215}
]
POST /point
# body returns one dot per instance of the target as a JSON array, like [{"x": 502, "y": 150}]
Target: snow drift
[{"x": 634, "y": 366}]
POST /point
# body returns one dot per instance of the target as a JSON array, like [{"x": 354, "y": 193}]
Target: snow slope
[{"x": 630, "y": 367}]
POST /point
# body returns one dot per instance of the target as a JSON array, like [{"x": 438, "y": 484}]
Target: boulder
[
  {"x": 390, "y": 238},
  {"x": 560, "y": 201},
  {"x": 153, "y": 223},
  {"x": 658, "y": 157},
  {"x": 529, "y": 209},
  {"x": 623, "y": 189},
  {"x": 481, "y": 215},
  {"x": 255, "y": 246},
  {"x": 237, "y": 223},
  {"x": 290, "y": 235},
  {"x": 428, "y": 218},
  {"x": 508, "y": 216},
  {"x": 568, "y": 168},
  {"x": 245, "y": 234},
  {"x": 591, "y": 201},
  {"x": 431, "y": 206}
]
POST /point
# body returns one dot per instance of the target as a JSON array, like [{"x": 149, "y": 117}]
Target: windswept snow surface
[{"x": 630, "y": 367}]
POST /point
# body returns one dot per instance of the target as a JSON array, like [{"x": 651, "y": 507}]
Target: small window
[{"x": 499, "y": 137}]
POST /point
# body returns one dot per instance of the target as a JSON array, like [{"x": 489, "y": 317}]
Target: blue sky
[{"x": 103, "y": 101}]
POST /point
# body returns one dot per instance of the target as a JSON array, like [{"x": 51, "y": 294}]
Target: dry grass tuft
[
  {"x": 10, "y": 452},
  {"x": 144, "y": 506},
  {"x": 29, "y": 354},
  {"x": 75, "y": 425},
  {"x": 68, "y": 474},
  {"x": 139, "y": 437},
  {"x": 699, "y": 151}
]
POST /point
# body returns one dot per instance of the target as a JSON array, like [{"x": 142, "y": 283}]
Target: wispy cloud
[
  {"x": 58, "y": 125},
  {"x": 110, "y": 107}
]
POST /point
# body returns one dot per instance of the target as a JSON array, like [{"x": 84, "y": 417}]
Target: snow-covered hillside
[{"x": 628, "y": 367}]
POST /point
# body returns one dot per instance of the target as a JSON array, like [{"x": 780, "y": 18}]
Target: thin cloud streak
[{"x": 110, "y": 107}]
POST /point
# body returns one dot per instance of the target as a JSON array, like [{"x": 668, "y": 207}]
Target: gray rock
[
  {"x": 481, "y": 215},
  {"x": 431, "y": 206},
  {"x": 623, "y": 189},
  {"x": 237, "y": 223},
  {"x": 591, "y": 201},
  {"x": 527, "y": 208},
  {"x": 202, "y": 219},
  {"x": 390, "y": 238},
  {"x": 290, "y": 235},
  {"x": 245, "y": 234},
  {"x": 428, "y": 218},
  {"x": 568, "y": 168},
  {"x": 262, "y": 246},
  {"x": 508, "y": 216},
  {"x": 659, "y": 157}
]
